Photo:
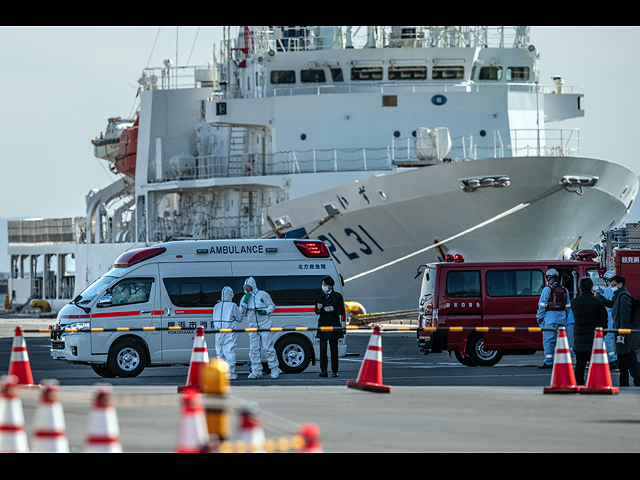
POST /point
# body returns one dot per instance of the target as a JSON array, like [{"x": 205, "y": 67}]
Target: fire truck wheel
[
  {"x": 480, "y": 356},
  {"x": 466, "y": 361}
]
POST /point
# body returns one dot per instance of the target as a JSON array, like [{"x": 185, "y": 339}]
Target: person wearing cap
[
  {"x": 609, "y": 338},
  {"x": 553, "y": 309}
]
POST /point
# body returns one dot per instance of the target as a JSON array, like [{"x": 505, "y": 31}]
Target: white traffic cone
[
  {"x": 13, "y": 438},
  {"x": 250, "y": 432},
  {"x": 104, "y": 432},
  {"x": 199, "y": 358},
  {"x": 193, "y": 435},
  {"x": 49, "y": 435}
]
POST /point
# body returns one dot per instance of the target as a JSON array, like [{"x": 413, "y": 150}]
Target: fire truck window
[
  {"x": 514, "y": 283},
  {"x": 463, "y": 284}
]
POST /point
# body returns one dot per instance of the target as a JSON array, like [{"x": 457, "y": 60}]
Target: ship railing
[
  {"x": 218, "y": 228},
  {"x": 536, "y": 142},
  {"x": 404, "y": 152}
]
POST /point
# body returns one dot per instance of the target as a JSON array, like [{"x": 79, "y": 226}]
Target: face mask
[
  {"x": 325, "y": 289},
  {"x": 615, "y": 288}
]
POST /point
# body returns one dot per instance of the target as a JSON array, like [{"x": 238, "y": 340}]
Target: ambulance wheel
[
  {"x": 480, "y": 356},
  {"x": 127, "y": 358},
  {"x": 294, "y": 354},
  {"x": 103, "y": 370}
]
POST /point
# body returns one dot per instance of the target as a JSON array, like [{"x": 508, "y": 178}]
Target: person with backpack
[
  {"x": 553, "y": 309},
  {"x": 621, "y": 311}
]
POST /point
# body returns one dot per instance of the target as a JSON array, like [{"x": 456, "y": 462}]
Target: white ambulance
[{"x": 177, "y": 284}]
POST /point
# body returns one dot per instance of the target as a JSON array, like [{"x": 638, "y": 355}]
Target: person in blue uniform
[{"x": 553, "y": 309}]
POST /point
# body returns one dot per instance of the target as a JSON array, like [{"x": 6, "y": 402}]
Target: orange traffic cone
[
  {"x": 104, "y": 432},
  {"x": 310, "y": 433},
  {"x": 599, "y": 377},
  {"x": 20, "y": 366},
  {"x": 563, "y": 379},
  {"x": 250, "y": 431},
  {"x": 370, "y": 376},
  {"x": 193, "y": 435},
  {"x": 49, "y": 435},
  {"x": 199, "y": 358},
  {"x": 13, "y": 438}
]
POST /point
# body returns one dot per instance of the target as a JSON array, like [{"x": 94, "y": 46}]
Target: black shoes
[{"x": 326, "y": 375}]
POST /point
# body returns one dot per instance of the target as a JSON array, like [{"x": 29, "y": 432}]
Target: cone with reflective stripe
[
  {"x": 104, "y": 432},
  {"x": 563, "y": 379},
  {"x": 310, "y": 433},
  {"x": 49, "y": 435},
  {"x": 20, "y": 366},
  {"x": 13, "y": 438},
  {"x": 250, "y": 432},
  {"x": 193, "y": 435},
  {"x": 199, "y": 358},
  {"x": 599, "y": 377},
  {"x": 370, "y": 376}
]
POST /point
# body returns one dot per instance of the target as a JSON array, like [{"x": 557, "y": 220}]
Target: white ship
[{"x": 395, "y": 149}]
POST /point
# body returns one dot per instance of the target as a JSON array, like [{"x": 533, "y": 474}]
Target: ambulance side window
[
  {"x": 132, "y": 290},
  {"x": 514, "y": 283},
  {"x": 286, "y": 289},
  {"x": 463, "y": 284},
  {"x": 196, "y": 291}
]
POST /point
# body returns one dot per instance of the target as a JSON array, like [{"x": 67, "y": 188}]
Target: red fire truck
[{"x": 456, "y": 293}]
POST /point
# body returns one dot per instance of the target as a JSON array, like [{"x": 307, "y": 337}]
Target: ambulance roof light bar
[{"x": 138, "y": 255}]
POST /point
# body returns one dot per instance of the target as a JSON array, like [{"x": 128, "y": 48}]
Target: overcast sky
[{"x": 59, "y": 85}]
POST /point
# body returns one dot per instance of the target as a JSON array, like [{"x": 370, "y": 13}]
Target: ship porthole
[
  {"x": 303, "y": 136},
  {"x": 396, "y": 134},
  {"x": 483, "y": 133}
]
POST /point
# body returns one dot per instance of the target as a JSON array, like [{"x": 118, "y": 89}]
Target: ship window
[
  {"x": 312, "y": 76},
  {"x": 283, "y": 76},
  {"x": 517, "y": 74},
  {"x": 336, "y": 75},
  {"x": 445, "y": 72},
  {"x": 407, "y": 73},
  {"x": 366, "y": 73},
  {"x": 490, "y": 73}
]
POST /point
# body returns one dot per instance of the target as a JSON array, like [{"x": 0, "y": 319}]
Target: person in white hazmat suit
[
  {"x": 225, "y": 315},
  {"x": 258, "y": 307}
]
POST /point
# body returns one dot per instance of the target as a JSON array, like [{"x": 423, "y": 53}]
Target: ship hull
[{"x": 386, "y": 218}]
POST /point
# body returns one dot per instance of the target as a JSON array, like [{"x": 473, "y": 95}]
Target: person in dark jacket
[
  {"x": 329, "y": 307},
  {"x": 626, "y": 345},
  {"x": 589, "y": 313}
]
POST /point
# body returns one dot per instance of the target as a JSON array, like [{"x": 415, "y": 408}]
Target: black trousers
[
  {"x": 581, "y": 363},
  {"x": 628, "y": 364},
  {"x": 324, "y": 361}
]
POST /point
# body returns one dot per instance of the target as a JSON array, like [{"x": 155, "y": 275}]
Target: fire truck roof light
[
  {"x": 136, "y": 256},
  {"x": 457, "y": 258},
  {"x": 312, "y": 249}
]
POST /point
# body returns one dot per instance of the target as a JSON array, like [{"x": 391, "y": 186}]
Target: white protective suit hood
[
  {"x": 227, "y": 294},
  {"x": 252, "y": 283}
]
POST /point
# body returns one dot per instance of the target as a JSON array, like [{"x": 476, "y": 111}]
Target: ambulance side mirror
[{"x": 104, "y": 301}]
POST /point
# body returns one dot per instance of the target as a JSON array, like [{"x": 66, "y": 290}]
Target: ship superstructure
[{"x": 381, "y": 141}]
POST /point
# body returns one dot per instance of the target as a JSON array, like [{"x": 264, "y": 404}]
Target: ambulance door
[
  {"x": 130, "y": 302},
  {"x": 189, "y": 291}
]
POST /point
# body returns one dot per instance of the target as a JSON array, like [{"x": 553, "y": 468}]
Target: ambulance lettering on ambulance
[
  {"x": 177, "y": 284},
  {"x": 236, "y": 249}
]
